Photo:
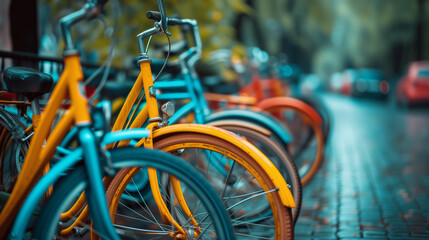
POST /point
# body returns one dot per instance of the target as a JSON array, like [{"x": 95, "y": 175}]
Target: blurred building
[{"x": 326, "y": 36}]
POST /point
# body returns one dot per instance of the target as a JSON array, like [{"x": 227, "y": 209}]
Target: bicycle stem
[{"x": 142, "y": 36}]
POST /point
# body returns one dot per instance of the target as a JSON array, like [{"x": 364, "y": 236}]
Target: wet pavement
[{"x": 374, "y": 183}]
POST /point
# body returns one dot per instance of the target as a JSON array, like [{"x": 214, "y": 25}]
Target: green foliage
[{"x": 213, "y": 16}]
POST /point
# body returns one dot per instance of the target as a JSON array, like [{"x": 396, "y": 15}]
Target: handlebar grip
[
  {"x": 154, "y": 15},
  {"x": 173, "y": 21}
]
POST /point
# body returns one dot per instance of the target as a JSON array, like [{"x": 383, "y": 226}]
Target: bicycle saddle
[{"x": 27, "y": 81}]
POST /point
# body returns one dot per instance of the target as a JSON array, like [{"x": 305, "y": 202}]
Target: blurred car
[
  {"x": 370, "y": 83},
  {"x": 413, "y": 88},
  {"x": 349, "y": 78}
]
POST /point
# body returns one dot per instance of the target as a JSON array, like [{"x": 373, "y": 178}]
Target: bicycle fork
[{"x": 154, "y": 185}]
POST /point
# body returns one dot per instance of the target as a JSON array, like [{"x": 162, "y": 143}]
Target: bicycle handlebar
[
  {"x": 173, "y": 21},
  {"x": 154, "y": 15},
  {"x": 170, "y": 21}
]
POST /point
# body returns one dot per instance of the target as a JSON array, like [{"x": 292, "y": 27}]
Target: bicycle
[
  {"x": 188, "y": 87},
  {"x": 96, "y": 162}
]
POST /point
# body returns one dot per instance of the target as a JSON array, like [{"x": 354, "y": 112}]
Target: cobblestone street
[{"x": 374, "y": 182}]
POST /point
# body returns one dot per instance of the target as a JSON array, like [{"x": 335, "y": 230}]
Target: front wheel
[
  {"x": 247, "y": 191},
  {"x": 142, "y": 220}
]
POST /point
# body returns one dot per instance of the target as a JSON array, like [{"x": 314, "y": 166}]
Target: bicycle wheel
[
  {"x": 277, "y": 155},
  {"x": 245, "y": 188},
  {"x": 13, "y": 149},
  {"x": 144, "y": 221},
  {"x": 308, "y": 139}
]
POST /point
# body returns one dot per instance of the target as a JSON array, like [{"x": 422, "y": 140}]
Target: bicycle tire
[
  {"x": 71, "y": 186},
  {"x": 282, "y": 220},
  {"x": 277, "y": 155}
]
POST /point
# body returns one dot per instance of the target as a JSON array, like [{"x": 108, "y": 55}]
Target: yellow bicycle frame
[{"x": 38, "y": 155}]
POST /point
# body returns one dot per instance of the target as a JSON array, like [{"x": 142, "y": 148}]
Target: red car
[{"x": 413, "y": 88}]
